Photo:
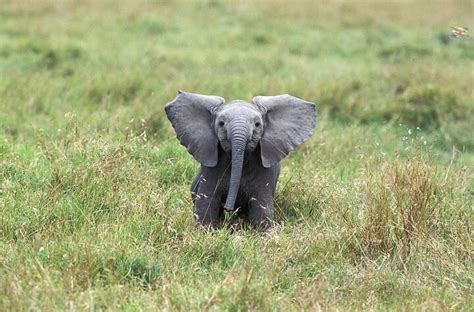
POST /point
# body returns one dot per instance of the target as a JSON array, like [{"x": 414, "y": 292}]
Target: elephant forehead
[{"x": 239, "y": 107}]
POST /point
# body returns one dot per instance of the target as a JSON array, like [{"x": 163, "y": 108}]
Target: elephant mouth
[{"x": 252, "y": 145}]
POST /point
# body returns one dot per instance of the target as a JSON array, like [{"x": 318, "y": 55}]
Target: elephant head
[{"x": 278, "y": 123}]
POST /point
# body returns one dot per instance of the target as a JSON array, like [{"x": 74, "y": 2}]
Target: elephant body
[
  {"x": 255, "y": 196},
  {"x": 239, "y": 146}
]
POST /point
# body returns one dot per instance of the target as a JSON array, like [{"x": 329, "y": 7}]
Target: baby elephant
[{"x": 239, "y": 146}]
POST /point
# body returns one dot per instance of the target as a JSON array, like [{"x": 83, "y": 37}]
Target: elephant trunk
[{"x": 239, "y": 133}]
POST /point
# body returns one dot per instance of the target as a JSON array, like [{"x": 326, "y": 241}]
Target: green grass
[{"x": 374, "y": 212}]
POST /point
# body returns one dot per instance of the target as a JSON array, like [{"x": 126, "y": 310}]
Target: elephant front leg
[
  {"x": 207, "y": 208},
  {"x": 261, "y": 211}
]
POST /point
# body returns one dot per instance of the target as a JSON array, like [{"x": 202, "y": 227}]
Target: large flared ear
[
  {"x": 289, "y": 121},
  {"x": 191, "y": 117}
]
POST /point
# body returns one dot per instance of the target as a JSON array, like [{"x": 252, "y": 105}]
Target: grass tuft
[
  {"x": 400, "y": 207},
  {"x": 374, "y": 212}
]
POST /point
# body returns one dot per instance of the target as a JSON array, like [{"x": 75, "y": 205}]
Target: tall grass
[
  {"x": 401, "y": 204},
  {"x": 373, "y": 213}
]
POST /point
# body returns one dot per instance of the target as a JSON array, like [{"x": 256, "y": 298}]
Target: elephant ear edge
[
  {"x": 289, "y": 122},
  {"x": 190, "y": 115}
]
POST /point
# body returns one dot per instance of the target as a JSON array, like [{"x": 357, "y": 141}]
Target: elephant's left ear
[{"x": 289, "y": 121}]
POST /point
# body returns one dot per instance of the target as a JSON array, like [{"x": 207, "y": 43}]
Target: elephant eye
[
  {"x": 257, "y": 124},
  {"x": 221, "y": 123}
]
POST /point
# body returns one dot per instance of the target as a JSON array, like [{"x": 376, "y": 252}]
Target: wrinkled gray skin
[{"x": 239, "y": 146}]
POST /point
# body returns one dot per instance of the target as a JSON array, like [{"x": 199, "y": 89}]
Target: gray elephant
[{"x": 239, "y": 146}]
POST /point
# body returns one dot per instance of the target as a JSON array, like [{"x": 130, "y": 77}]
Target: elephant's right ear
[{"x": 190, "y": 115}]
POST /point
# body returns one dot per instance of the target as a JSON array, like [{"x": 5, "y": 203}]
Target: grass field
[{"x": 374, "y": 212}]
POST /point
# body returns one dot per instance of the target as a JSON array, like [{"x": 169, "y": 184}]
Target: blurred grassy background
[{"x": 375, "y": 211}]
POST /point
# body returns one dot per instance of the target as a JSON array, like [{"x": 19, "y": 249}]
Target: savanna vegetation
[{"x": 374, "y": 212}]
